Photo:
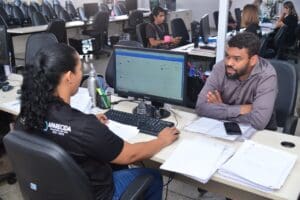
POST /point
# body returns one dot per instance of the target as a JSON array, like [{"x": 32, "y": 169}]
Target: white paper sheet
[{"x": 123, "y": 131}]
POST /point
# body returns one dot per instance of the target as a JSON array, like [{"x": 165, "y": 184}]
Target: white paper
[
  {"x": 259, "y": 166},
  {"x": 13, "y": 105},
  {"x": 82, "y": 100},
  {"x": 215, "y": 128},
  {"x": 123, "y": 131},
  {"x": 197, "y": 159}
]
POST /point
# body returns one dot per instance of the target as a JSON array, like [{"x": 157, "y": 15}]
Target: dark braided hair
[{"x": 40, "y": 82}]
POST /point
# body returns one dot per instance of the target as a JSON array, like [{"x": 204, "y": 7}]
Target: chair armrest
[
  {"x": 136, "y": 189},
  {"x": 290, "y": 125}
]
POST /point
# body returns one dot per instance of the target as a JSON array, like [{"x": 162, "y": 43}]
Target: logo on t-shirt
[{"x": 57, "y": 129}]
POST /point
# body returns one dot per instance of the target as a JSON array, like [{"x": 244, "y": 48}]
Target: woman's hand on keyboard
[
  {"x": 168, "y": 135},
  {"x": 102, "y": 118}
]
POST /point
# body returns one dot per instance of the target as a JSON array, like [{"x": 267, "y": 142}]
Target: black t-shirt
[
  {"x": 158, "y": 32},
  {"x": 91, "y": 144},
  {"x": 254, "y": 28},
  {"x": 291, "y": 21}
]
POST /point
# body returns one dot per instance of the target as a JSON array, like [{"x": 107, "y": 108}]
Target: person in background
[
  {"x": 289, "y": 18},
  {"x": 250, "y": 20},
  {"x": 45, "y": 110},
  {"x": 258, "y": 4},
  {"x": 157, "y": 31},
  {"x": 242, "y": 87}
]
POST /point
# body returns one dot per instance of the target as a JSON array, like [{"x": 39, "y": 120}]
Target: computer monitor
[
  {"x": 195, "y": 29},
  {"x": 90, "y": 9},
  {"x": 151, "y": 74},
  {"x": 131, "y": 4},
  {"x": 171, "y": 5},
  {"x": 4, "y": 52},
  {"x": 204, "y": 28}
]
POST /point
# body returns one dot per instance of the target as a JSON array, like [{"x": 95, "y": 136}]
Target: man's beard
[{"x": 237, "y": 74}]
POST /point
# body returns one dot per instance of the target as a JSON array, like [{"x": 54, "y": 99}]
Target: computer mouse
[{"x": 7, "y": 88}]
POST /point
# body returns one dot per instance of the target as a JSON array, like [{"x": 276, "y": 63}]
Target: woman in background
[
  {"x": 289, "y": 18},
  {"x": 250, "y": 19}
]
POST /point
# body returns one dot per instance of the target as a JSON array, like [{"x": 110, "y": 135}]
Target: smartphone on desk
[{"x": 232, "y": 128}]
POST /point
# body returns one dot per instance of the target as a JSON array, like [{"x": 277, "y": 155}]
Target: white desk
[
  {"x": 190, "y": 50},
  {"x": 217, "y": 184}
]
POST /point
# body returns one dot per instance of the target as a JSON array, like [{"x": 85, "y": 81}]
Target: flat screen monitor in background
[
  {"x": 4, "y": 52},
  {"x": 131, "y": 5},
  {"x": 204, "y": 28},
  {"x": 171, "y": 5},
  {"x": 90, "y": 9},
  {"x": 151, "y": 74}
]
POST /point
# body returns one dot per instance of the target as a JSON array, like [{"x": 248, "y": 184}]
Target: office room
[{"x": 156, "y": 92}]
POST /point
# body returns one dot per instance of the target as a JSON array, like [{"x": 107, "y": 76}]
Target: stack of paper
[
  {"x": 198, "y": 159},
  {"x": 215, "y": 128},
  {"x": 82, "y": 100},
  {"x": 259, "y": 166},
  {"x": 123, "y": 131}
]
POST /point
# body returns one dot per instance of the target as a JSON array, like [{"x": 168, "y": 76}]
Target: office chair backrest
[
  {"x": 81, "y": 13},
  {"x": 58, "y": 28},
  {"x": 38, "y": 19},
  {"x": 101, "y": 22},
  {"x": 287, "y": 93},
  {"x": 35, "y": 42},
  {"x": 64, "y": 15},
  {"x": 279, "y": 38},
  {"x": 179, "y": 29},
  {"x": 216, "y": 18},
  {"x": 8, "y": 9},
  {"x": 31, "y": 9},
  {"x": 71, "y": 9},
  {"x": 110, "y": 69},
  {"x": 46, "y": 11},
  {"x": 4, "y": 16},
  {"x": 57, "y": 8},
  {"x": 135, "y": 17},
  {"x": 104, "y": 7},
  {"x": 4, "y": 45},
  {"x": 35, "y": 5},
  {"x": 3, "y": 22},
  {"x": 141, "y": 34},
  {"x": 18, "y": 15},
  {"x": 44, "y": 170}
]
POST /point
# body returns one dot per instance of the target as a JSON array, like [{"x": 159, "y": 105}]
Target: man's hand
[
  {"x": 245, "y": 109},
  {"x": 102, "y": 118},
  {"x": 214, "y": 97}
]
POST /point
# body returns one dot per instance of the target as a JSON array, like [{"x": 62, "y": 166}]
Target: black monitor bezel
[
  {"x": 5, "y": 60},
  {"x": 152, "y": 97},
  {"x": 204, "y": 31}
]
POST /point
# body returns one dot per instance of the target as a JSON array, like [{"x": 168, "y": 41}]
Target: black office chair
[
  {"x": 141, "y": 34},
  {"x": 38, "y": 19},
  {"x": 71, "y": 10},
  {"x": 122, "y": 8},
  {"x": 8, "y": 9},
  {"x": 293, "y": 51},
  {"x": 135, "y": 17},
  {"x": 287, "y": 96},
  {"x": 57, "y": 8},
  {"x": 82, "y": 15},
  {"x": 110, "y": 69},
  {"x": 104, "y": 7},
  {"x": 64, "y": 15},
  {"x": 35, "y": 42},
  {"x": 99, "y": 31},
  {"x": 216, "y": 18},
  {"x": 58, "y": 28},
  {"x": 48, "y": 12},
  {"x": 179, "y": 29},
  {"x": 24, "y": 9},
  {"x": 31, "y": 10},
  {"x": 18, "y": 16},
  {"x": 275, "y": 45},
  {"x": 238, "y": 18},
  {"x": 35, "y": 5},
  {"x": 7, "y": 20},
  {"x": 45, "y": 170}
]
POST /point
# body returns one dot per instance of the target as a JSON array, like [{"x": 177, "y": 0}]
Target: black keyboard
[
  {"x": 145, "y": 124},
  {"x": 208, "y": 47}
]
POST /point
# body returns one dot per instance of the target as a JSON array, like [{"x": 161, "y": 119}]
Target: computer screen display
[
  {"x": 152, "y": 74},
  {"x": 204, "y": 28},
  {"x": 90, "y": 9}
]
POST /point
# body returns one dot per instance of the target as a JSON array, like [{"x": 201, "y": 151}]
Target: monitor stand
[{"x": 155, "y": 110}]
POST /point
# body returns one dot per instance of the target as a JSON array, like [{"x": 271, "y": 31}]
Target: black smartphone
[{"x": 232, "y": 128}]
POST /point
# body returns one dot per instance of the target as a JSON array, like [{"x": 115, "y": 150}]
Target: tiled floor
[{"x": 177, "y": 190}]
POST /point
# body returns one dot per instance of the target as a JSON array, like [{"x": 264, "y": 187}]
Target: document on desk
[
  {"x": 123, "y": 131},
  {"x": 14, "y": 106},
  {"x": 198, "y": 159},
  {"x": 82, "y": 101},
  {"x": 215, "y": 128},
  {"x": 259, "y": 166}
]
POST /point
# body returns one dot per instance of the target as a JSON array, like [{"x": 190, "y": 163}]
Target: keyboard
[
  {"x": 208, "y": 47},
  {"x": 145, "y": 124}
]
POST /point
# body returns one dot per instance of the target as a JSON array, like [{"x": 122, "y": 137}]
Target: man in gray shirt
[{"x": 242, "y": 87}]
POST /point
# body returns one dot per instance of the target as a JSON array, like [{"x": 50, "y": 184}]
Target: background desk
[{"x": 217, "y": 184}]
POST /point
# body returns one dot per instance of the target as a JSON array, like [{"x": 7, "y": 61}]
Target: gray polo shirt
[{"x": 260, "y": 90}]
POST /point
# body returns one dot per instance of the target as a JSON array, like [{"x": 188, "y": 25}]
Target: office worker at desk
[
  {"x": 157, "y": 30},
  {"x": 242, "y": 87},
  {"x": 45, "y": 110},
  {"x": 250, "y": 19}
]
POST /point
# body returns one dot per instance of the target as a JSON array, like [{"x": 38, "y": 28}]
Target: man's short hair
[{"x": 246, "y": 40}]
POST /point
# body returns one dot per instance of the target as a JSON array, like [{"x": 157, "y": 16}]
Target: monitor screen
[
  {"x": 204, "y": 28},
  {"x": 152, "y": 74},
  {"x": 90, "y": 9},
  {"x": 4, "y": 48}
]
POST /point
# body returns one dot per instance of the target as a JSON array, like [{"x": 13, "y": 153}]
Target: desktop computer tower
[{"x": 171, "y": 5}]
